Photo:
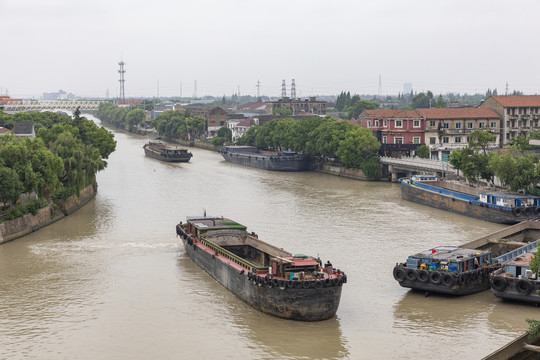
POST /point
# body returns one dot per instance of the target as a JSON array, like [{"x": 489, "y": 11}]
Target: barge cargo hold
[
  {"x": 498, "y": 207},
  {"x": 266, "y": 160},
  {"x": 266, "y": 277},
  {"x": 160, "y": 151}
]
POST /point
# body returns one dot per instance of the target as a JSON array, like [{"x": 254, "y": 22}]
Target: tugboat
[
  {"x": 160, "y": 151},
  {"x": 447, "y": 269},
  {"x": 514, "y": 280},
  {"x": 268, "y": 278}
]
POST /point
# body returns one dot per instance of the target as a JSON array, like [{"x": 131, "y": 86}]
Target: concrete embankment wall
[
  {"x": 340, "y": 171},
  {"x": 16, "y": 228}
]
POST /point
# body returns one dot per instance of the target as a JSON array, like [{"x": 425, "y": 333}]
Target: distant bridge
[
  {"x": 40, "y": 105},
  {"x": 404, "y": 167}
]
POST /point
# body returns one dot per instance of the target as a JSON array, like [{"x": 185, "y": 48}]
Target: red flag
[{"x": 433, "y": 251}]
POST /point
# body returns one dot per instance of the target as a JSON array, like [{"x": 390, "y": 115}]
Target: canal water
[{"x": 111, "y": 281}]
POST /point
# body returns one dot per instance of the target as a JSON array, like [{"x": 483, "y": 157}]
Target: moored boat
[
  {"x": 160, "y": 151},
  {"x": 495, "y": 206},
  {"x": 446, "y": 269},
  {"x": 266, "y": 160},
  {"x": 266, "y": 277},
  {"x": 514, "y": 280}
]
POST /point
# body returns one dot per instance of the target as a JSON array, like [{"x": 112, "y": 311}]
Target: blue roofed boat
[
  {"x": 495, "y": 206},
  {"x": 447, "y": 269}
]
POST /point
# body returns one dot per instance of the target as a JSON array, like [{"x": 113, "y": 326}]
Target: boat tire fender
[
  {"x": 435, "y": 277},
  {"x": 297, "y": 284},
  {"x": 399, "y": 273},
  {"x": 537, "y": 211},
  {"x": 448, "y": 280},
  {"x": 290, "y": 283},
  {"x": 423, "y": 276},
  {"x": 528, "y": 211},
  {"x": 327, "y": 282},
  {"x": 524, "y": 286},
  {"x": 318, "y": 284},
  {"x": 275, "y": 282},
  {"x": 410, "y": 274},
  {"x": 516, "y": 211},
  {"x": 462, "y": 278},
  {"x": 337, "y": 281},
  {"x": 498, "y": 283},
  {"x": 282, "y": 284},
  {"x": 344, "y": 278},
  {"x": 306, "y": 284},
  {"x": 266, "y": 280}
]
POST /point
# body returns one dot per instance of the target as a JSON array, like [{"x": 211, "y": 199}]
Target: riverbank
[{"x": 16, "y": 228}]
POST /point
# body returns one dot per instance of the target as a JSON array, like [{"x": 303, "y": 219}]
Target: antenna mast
[
  {"x": 283, "y": 89},
  {"x": 122, "y": 72},
  {"x": 293, "y": 90}
]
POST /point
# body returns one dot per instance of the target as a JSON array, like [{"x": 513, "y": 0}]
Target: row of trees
[
  {"x": 355, "y": 146},
  {"x": 122, "y": 117},
  {"x": 516, "y": 169},
  {"x": 61, "y": 160}
]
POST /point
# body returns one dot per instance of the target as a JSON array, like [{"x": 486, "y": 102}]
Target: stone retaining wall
[{"x": 16, "y": 228}]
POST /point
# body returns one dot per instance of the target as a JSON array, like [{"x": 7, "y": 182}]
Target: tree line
[
  {"x": 60, "y": 161},
  {"x": 355, "y": 146},
  {"x": 515, "y": 167}
]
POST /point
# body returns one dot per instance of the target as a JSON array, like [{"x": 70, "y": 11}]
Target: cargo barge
[
  {"x": 498, "y": 207},
  {"x": 266, "y": 160},
  {"x": 514, "y": 281},
  {"x": 268, "y": 278},
  {"x": 160, "y": 151},
  {"x": 465, "y": 269}
]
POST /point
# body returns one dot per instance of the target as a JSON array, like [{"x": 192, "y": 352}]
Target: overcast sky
[{"x": 326, "y": 46}]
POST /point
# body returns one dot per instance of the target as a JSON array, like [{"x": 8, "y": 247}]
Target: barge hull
[
  {"x": 461, "y": 207},
  {"x": 157, "y": 156},
  {"x": 267, "y": 163},
  {"x": 290, "y": 303}
]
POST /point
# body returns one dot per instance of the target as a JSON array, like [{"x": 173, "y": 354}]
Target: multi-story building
[
  {"x": 215, "y": 117},
  {"x": 297, "y": 106},
  {"x": 450, "y": 129},
  {"x": 519, "y": 114},
  {"x": 400, "y": 132}
]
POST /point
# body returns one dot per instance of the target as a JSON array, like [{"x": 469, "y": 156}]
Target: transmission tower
[
  {"x": 258, "y": 90},
  {"x": 122, "y": 72},
  {"x": 293, "y": 90},
  {"x": 380, "y": 86},
  {"x": 283, "y": 89}
]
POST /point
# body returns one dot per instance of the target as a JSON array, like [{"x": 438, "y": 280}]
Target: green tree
[
  {"x": 135, "y": 118},
  {"x": 423, "y": 152},
  {"x": 517, "y": 173},
  {"x": 281, "y": 111},
  {"x": 10, "y": 186},
  {"x": 440, "y": 102},
  {"x": 225, "y": 133},
  {"x": 359, "y": 150},
  {"x": 422, "y": 100},
  {"x": 360, "y": 106},
  {"x": 480, "y": 140}
]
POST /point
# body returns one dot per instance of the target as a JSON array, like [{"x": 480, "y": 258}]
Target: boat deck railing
[
  {"x": 229, "y": 255},
  {"x": 514, "y": 253}
]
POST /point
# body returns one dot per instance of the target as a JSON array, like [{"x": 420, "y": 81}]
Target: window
[
  {"x": 398, "y": 140},
  {"x": 384, "y": 139},
  {"x": 416, "y": 123},
  {"x": 432, "y": 123},
  {"x": 481, "y": 124},
  {"x": 445, "y": 125},
  {"x": 369, "y": 124},
  {"x": 432, "y": 140},
  {"x": 469, "y": 125},
  {"x": 468, "y": 138},
  {"x": 458, "y": 125},
  {"x": 457, "y": 139},
  {"x": 399, "y": 123},
  {"x": 520, "y": 111},
  {"x": 493, "y": 124},
  {"x": 445, "y": 140},
  {"x": 384, "y": 123},
  {"x": 376, "y": 123},
  {"x": 416, "y": 140}
]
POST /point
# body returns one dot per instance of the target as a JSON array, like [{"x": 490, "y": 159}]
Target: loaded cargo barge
[
  {"x": 160, "y": 151},
  {"x": 266, "y": 277},
  {"x": 266, "y": 160},
  {"x": 494, "y": 206},
  {"x": 469, "y": 268}
]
